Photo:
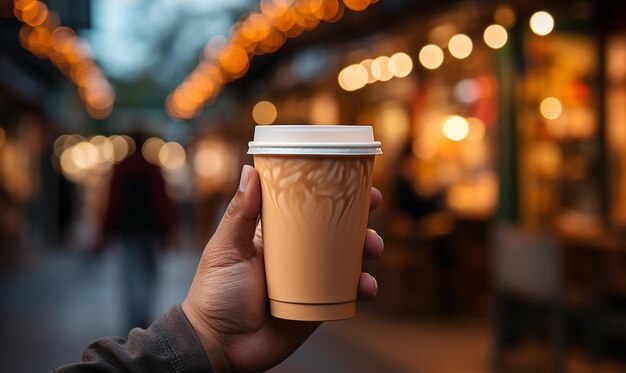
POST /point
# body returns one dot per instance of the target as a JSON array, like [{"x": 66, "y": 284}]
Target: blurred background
[{"x": 504, "y": 169}]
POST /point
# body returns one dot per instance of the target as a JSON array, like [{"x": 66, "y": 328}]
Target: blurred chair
[{"x": 527, "y": 279}]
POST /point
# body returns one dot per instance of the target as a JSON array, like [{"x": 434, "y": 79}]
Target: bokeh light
[
  {"x": 356, "y": 5},
  {"x": 209, "y": 162},
  {"x": 467, "y": 91},
  {"x": 505, "y": 16},
  {"x": 455, "y": 128},
  {"x": 541, "y": 23},
  {"x": 495, "y": 36},
  {"x": 68, "y": 167},
  {"x": 460, "y": 46},
  {"x": 402, "y": 64},
  {"x": 551, "y": 108},
  {"x": 151, "y": 148},
  {"x": 264, "y": 112},
  {"x": 431, "y": 56},
  {"x": 80, "y": 159},
  {"x": 382, "y": 69},
  {"x": 43, "y": 35},
  {"x": 172, "y": 155},
  {"x": 121, "y": 148},
  {"x": 84, "y": 155},
  {"x": 353, "y": 77},
  {"x": 367, "y": 64}
]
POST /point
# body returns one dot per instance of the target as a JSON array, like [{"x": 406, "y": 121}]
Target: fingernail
[
  {"x": 382, "y": 243},
  {"x": 243, "y": 180},
  {"x": 375, "y": 283}
]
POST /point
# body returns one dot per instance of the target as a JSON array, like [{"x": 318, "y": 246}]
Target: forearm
[{"x": 170, "y": 344}]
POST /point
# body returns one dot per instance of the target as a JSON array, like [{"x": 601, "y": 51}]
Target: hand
[{"x": 227, "y": 303}]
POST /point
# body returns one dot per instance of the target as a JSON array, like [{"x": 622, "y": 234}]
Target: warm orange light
[
  {"x": 367, "y": 64},
  {"x": 20, "y": 5},
  {"x": 256, "y": 27},
  {"x": 34, "y": 14},
  {"x": 476, "y": 131},
  {"x": 495, "y": 36},
  {"x": 52, "y": 21},
  {"x": 282, "y": 18},
  {"x": 455, "y": 127},
  {"x": 328, "y": 10},
  {"x": 401, "y": 64},
  {"x": 24, "y": 7},
  {"x": 352, "y": 78},
  {"x": 283, "y": 3},
  {"x": 382, "y": 69},
  {"x": 179, "y": 107},
  {"x": 551, "y": 108},
  {"x": 264, "y": 112},
  {"x": 233, "y": 59},
  {"x": 304, "y": 19},
  {"x": 431, "y": 56},
  {"x": 271, "y": 43},
  {"x": 356, "y": 5},
  {"x": 460, "y": 46},
  {"x": 259, "y": 33},
  {"x": 25, "y": 32}
]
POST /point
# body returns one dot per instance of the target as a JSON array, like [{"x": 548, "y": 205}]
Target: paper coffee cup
[{"x": 315, "y": 184}]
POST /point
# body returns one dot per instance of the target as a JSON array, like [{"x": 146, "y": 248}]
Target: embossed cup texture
[{"x": 314, "y": 220}]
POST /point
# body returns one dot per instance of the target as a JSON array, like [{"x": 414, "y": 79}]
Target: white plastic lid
[{"x": 314, "y": 139}]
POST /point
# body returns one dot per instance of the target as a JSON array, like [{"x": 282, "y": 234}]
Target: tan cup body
[{"x": 314, "y": 219}]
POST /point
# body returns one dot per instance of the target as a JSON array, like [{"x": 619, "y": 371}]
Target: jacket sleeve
[{"x": 170, "y": 344}]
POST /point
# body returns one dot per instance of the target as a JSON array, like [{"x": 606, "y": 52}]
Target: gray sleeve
[{"x": 170, "y": 344}]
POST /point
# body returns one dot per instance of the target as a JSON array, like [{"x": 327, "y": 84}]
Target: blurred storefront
[{"x": 32, "y": 194}]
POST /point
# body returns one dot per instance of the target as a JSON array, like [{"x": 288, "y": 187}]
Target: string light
[
  {"x": 541, "y": 23},
  {"x": 368, "y": 71},
  {"x": 227, "y": 59},
  {"x": 495, "y": 36},
  {"x": 43, "y": 35},
  {"x": 551, "y": 108},
  {"x": 431, "y": 56},
  {"x": 460, "y": 46}
]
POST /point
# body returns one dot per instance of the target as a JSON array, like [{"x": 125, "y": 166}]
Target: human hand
[{"x": 227, "y": 303}]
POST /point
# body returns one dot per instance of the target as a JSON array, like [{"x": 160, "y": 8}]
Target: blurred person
[
  {"x": 406, "y": 199},
  {"x": 428, "y": 224},
  {"x": 224, "y": 323},
  {"x": 140, "y": 214}
]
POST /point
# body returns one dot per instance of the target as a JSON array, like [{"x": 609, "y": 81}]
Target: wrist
[{"x": 211, "y": 341}]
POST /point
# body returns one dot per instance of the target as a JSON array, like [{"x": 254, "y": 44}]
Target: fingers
[
  {"x": 374, "y": 245},
  {"x": 375, "y": 199},
  {"x": 368, "y": 287}
]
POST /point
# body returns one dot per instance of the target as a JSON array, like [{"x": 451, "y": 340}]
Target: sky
[{"x": 127, "y": 36}]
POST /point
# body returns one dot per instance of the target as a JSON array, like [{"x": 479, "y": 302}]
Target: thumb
[{"x": 238, "y": 225}]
